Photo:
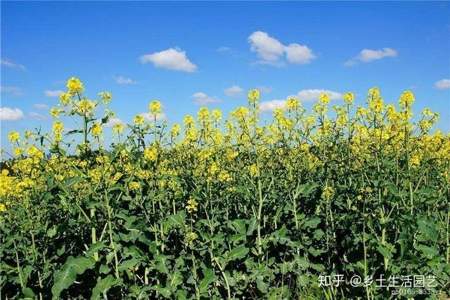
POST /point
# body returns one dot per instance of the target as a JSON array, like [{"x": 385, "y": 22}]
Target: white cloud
[
  {"x": 299, "y": 54},
  {"x": 172, "y": 59},
  {"x": 11, "y": 90},
  {"x": 10, "y": 64},
  {"x": 442, "y": 84},
  {"x": 313, "y": 94},
  {"x": 368, "y": 55},
  {"x": 124, "y": 80},
  {"x": 266, "y": 47},
  {"x": 53, "y": 93},
  {"x": 233, "y": 91},
  {"x": 10, "y": 114},
  {"x": 271, "y": 51},
  {"x": 201, "y": 98},
  {"x": 37, "y": 116},
  {"x": 266, "y": 106},
  {"x": 151, "y": 117},
  {"x": 40, "y": 106},
  {"x": 113, "y": 121}
]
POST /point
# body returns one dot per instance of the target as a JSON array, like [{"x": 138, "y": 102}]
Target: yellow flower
[
  {"x": 217, "y": 115},
  {"x": 138, "y": 120},
  {"x": 327, "y": 193},
  {"x": 2, "y": 207},
  {"x": 134, "y": 186},
  {"x": 18, "y": 151},
  {"x": 58, "y": 128},
  {"x": 292, "y": 103},
  {"x": 151, "y": 153},
  {"x": 254, "y": 170},
  {"x": 96, "y": 129},
  {"x": 85, "y": 107},
  {"x": 74, "y": 85},
  {"x": 240, "y": 113},
  {"x": 65, "y": 98},
  {"x": 188, "y": 120},
  {"x": 190, "y": 238},
  {"x": 191, "y": 206},
  {"x": 253, "y": 96},
  {"x": 54, "y": 112},
  {"x": 324, "y": 98},
  {"x": 406, "y": 99},
  {"x": 106, "y": 97},
  {"x": 35, "y": 153},
  {"x": 13, "y": 136},
  {"x": 349, "y": 97},
  {"x": 203, "y": 114},
  {"x": 155, "y": 107},
  {"x": 118, "y": 128},
  {"x": 175, "y": 131}
]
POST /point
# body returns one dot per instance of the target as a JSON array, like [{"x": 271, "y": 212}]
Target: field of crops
[{"x": 235, "y": 207}]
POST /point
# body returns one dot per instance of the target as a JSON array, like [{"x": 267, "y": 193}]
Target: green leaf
[
  {"x": 209, "y": 277},
  {"x": 312, "y": 222},
  {"x": 103, "y": 285},
  {"x": 65, "y": 277},
  {"x": 176, "y": 221},
  {"x": 427, "y": 229},
  {"x": 385, "y": 251},
  {"x": 428, "y": 252},
  {"x": 236, "y": 253},
  {"x": 174, "y": 280}
]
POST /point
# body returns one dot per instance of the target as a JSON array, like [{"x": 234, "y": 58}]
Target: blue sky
[{"x": 189, "y": 53}]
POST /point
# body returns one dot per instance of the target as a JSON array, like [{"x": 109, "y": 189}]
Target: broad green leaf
[
  {"x": 103, "y": 285},
  {"x": 65, "y": 277},
  {"x": 209, "y": 277}
]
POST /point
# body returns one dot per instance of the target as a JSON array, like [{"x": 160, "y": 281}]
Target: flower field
[{"x": 226, "y": 207}]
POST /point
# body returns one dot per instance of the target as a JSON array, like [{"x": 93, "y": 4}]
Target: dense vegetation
[{"x": 226, "y": 209}]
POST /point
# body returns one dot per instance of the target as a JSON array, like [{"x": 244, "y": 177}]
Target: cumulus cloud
[
  {"x": 201, "y": 98},
  {"x": 37, "y": 116},
  {"x": 313, "y": 94},
  {"x": 369, "y": 55},
  {"x": 10, "y": 114},
  {"x": 267, "y": 106},
  {"x": 40, "y": 106},
  {"x": 442, "y": 84},
  {"x": 171, "y": 59},
  {"x": 113, "y": 121},
  {"x": 124, "y": 80},
  {"x": 53, "y": 93},
  {"x": 151, "y": 117},
  {"x": 298, "y": 54},
  {"x": 11, "y": 90},
  {"x": 233, "y": 91},
  {"x": 271, "y": 51},
  {"x": 10, "y": 64}
]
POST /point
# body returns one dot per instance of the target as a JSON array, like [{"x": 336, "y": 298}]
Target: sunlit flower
[
  {"x": 105, "y": 97},
  {"x": 253, "y": 96},
  {"x": 13, "y": 136},
  {"x": 118, "y": 128},
  {"x": 138, "y": 120},
  {"x": 155, "y": 107},
  {"x": 74, "y": 85},
  {"x": 96, "y": 129},
  {"x": 348, "y": 98}
]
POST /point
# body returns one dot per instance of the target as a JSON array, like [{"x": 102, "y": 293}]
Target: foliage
[{"x": 226, "y": 209}]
